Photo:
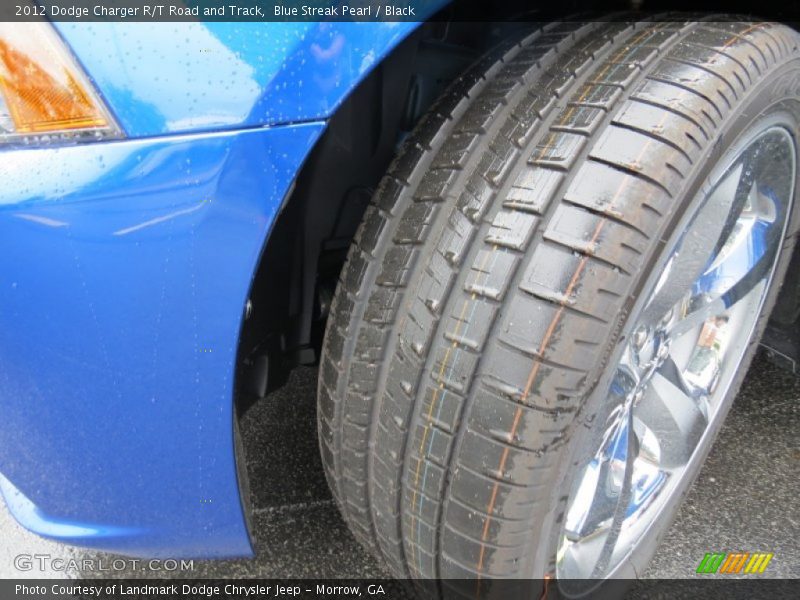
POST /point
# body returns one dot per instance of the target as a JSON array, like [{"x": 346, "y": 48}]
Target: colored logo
[{"x": 735, "y": 562}]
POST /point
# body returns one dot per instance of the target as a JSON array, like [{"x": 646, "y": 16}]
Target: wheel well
[
  {"x": 300, "y": 264},
  {"x": 781, "y": 339}
]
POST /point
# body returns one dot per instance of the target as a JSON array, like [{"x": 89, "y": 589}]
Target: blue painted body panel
[
  {"x": 167, "y": 77},
  {"x": 126, "y": 267}
]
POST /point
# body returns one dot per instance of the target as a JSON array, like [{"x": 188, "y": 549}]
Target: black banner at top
[{"x": 372, "y": 10}]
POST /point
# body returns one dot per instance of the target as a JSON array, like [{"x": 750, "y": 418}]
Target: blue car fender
[{"x": 126, "y": 267}]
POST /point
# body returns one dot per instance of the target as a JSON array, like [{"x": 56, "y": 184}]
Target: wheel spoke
[
  {"x": 628, "y": 441},
  {"x": 600, "y": 487},
  {"x": 695, "y": 319},
  {"x": 742, "y": 263},
  {"x": 676, "y": 417},
  {"x": 688, "y": 263},
  {"x": 745, "y": 257}
]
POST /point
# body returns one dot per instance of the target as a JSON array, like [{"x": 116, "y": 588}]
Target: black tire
[{"x": 480, "y": 301}]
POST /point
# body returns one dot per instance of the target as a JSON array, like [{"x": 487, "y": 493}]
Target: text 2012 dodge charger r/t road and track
[
  {"x": 531, "y": 261},
  {"x": 146, "y": 11}
]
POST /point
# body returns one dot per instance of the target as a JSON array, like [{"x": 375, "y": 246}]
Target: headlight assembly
[{"x": 44, "y": 95}]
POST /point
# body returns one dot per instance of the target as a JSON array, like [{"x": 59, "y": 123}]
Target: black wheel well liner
[{"x": 304, "y": 253}]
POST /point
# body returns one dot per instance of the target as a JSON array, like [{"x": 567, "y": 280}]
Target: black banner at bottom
[{"x": 716, "y": 588}]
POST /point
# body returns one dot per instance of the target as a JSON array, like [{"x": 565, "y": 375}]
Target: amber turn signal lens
[{"x": 42, "y": 89}]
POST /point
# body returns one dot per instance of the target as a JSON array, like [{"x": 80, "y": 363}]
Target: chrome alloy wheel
[{"x": 675, "y": 365}]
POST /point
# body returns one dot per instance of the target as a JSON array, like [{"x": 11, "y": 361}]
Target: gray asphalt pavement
[{"x": 746, "y": 498}]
